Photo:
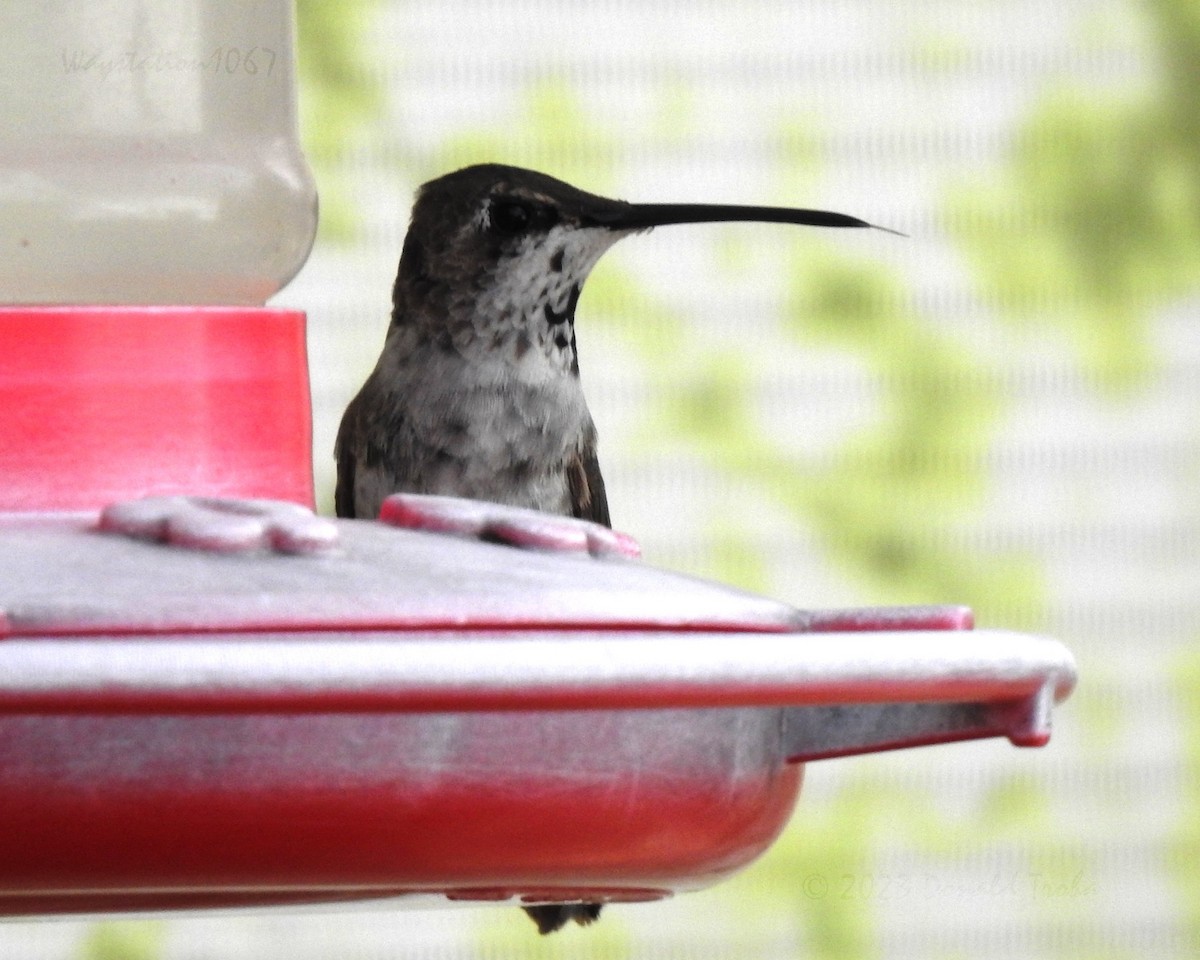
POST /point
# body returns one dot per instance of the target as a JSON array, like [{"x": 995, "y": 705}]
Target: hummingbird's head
[{"x": 496, "y": 256}]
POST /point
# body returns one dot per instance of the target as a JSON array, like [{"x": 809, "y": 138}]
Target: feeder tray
[{"x": 218, "y": 703}]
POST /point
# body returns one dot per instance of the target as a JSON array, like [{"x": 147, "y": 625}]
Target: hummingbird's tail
[{"x": 554, "y": 916}]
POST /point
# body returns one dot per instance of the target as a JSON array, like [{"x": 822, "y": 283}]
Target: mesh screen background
[{"x": 1001, "y": 410}]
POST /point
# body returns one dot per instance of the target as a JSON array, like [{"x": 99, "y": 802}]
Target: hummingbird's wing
[
  {"x": 347, "y": 460},
  {"x": 588, "y": 499}
]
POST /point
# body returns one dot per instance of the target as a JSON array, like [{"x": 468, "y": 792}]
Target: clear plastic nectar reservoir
[{"x": 149, "y": 153}]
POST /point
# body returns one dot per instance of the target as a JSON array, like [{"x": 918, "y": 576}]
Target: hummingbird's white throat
[{"x": 529, "y": 303}]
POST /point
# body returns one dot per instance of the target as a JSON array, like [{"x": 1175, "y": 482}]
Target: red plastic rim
[{"x": 111, "y": 402}]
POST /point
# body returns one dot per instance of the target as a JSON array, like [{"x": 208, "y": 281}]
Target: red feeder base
[{"x": 108, "y": 403}]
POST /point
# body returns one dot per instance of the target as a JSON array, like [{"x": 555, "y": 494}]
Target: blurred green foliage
[
  {"x": 885, "y": 505},
  {"x": 1183, "y": 855},
  {"x": 824, "y": 871},
  {"x": 340, "y": 101},
  {"x": 123, "y": 940},
  {"x": 1094, "y": 223},
  {"x": 550, "y": 132}
]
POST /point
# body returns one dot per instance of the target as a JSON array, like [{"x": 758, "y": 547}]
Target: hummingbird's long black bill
[{"x": 642, "y": 216}]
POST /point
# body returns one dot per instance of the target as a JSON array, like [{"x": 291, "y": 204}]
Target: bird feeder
[{"x": 211, "y": 697}]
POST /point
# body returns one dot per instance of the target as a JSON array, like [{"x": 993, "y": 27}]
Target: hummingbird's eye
[
  {"x": 513, "y": 217},
  {"x": 509, "y": 217}
]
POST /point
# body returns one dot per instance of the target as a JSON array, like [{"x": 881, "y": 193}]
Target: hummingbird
[{"x": 477, "y": 391}]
